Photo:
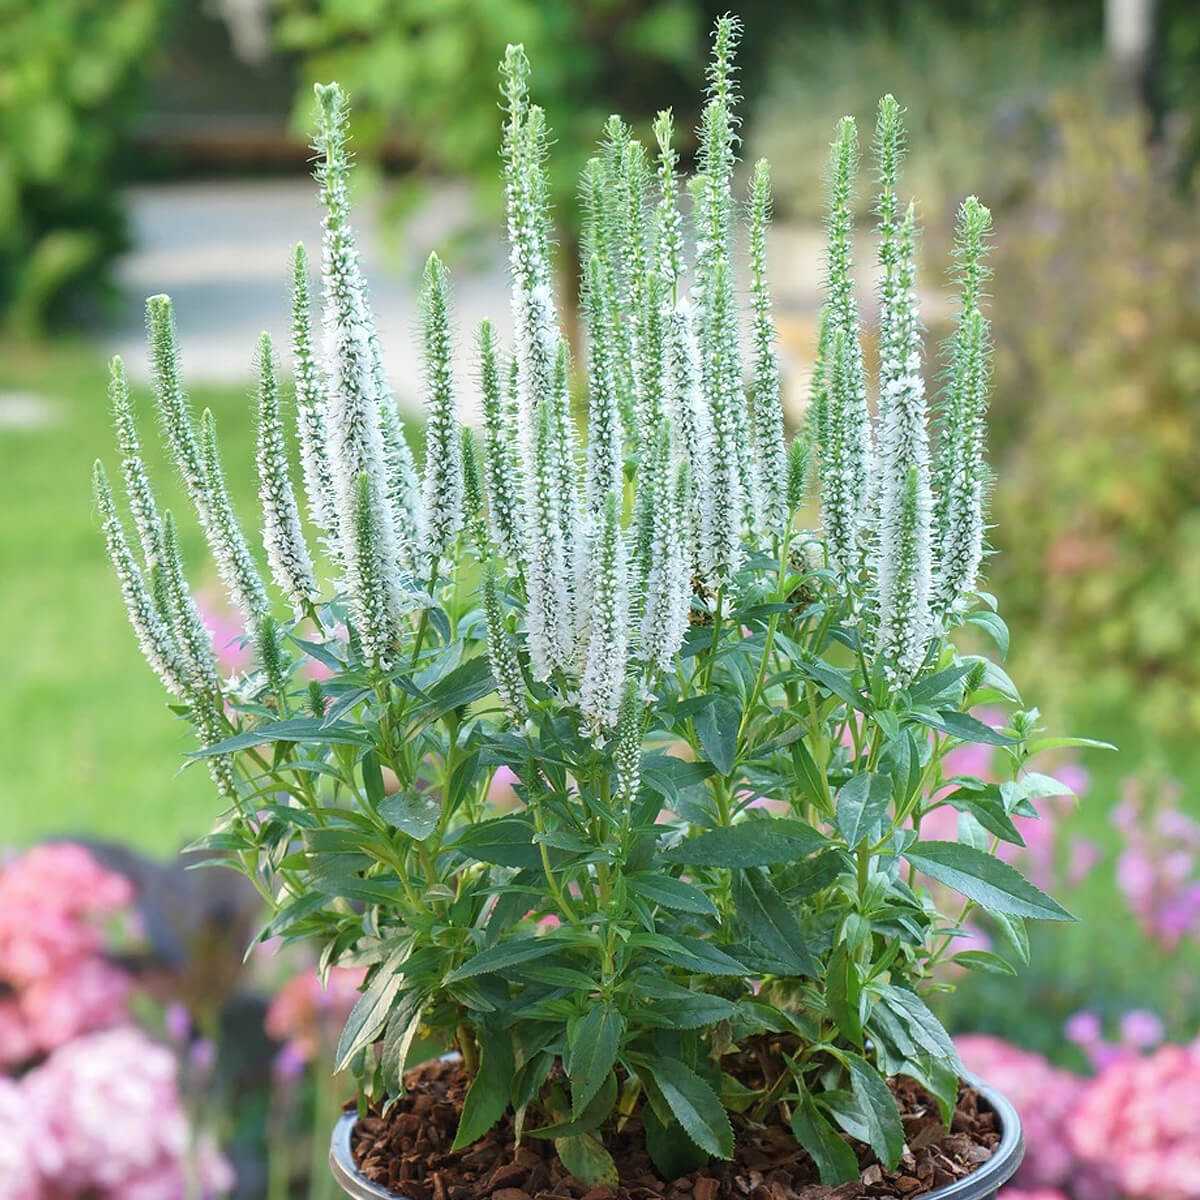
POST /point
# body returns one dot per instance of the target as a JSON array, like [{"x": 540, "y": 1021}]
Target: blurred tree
[
  {"x": 425, "y": 72},
  {"x": 69, "y": 73},
  {"x": 1097, "y": 423}
]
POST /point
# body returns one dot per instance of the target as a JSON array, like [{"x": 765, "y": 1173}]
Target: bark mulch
[{"x": 408, "y": 1151}]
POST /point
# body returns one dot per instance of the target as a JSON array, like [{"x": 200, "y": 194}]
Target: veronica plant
[{"x": 725, "y": 731}]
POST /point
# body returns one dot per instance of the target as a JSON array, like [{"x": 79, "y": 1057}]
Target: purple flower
[
  {"x": 1083, "y": 1029},
  {"x": 1141, "y": 1029}
]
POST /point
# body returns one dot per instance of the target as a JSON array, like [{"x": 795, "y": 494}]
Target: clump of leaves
[{"x": 725, "y": 732}]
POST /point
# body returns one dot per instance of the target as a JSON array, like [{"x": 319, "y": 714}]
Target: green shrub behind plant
[{"x": 68, "y": 72}]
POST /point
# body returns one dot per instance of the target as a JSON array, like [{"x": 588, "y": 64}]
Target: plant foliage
[{"x": 725, "y": 731}]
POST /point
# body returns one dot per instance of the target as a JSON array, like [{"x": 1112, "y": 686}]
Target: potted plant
[{"x": 689, "y": 956}]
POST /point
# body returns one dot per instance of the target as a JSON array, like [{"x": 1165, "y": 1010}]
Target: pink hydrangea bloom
[
  {"x": 20, "y": 1178},
  {"x": 307, "y": 1016},
  {"x": 112, "y": 1125},
  {"x": 1138, "y": 1119},
  {"x": 85, "y": 997},
  {"x": 1012, "y": 1193},
  {"x": 53, "y": 900}
]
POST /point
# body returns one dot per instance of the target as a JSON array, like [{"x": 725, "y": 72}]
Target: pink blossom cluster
[
  {"x": 1140, "y": 1030},
  {"x": 1158, "y": 870},
  {"x": 307, "y": 1015},
  {"x": 1138, "y": 1117},
  {"x": 101, "y": 1118},
  {"x": 1130, "y": 1131},
  {"x": 57, "y": 983}
]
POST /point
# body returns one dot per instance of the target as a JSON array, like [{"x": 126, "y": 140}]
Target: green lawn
[{"x": 87, "y": 742}]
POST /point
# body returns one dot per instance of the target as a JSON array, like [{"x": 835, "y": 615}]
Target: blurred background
[{"x": 161, "y": 145}]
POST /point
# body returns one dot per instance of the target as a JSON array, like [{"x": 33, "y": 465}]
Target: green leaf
[
  {"x": 488, "y": 1095},
  {"x": 593, "y": 1116},
  {"x": 984, "y": 960},
  {"x": 1063, "y": 743},
  {"x": 717, "y": 725},
  {"x": 670, "y": 892},
  {"x": 696, "y": 1106},
  {"x": 926, "y": 1030},
  {"x": 298, "y": 729},
  {"x": 993, "y": 625},
  {"x": 468, "y": 682},
  {"x": 593, "y": 1043},
  {"x": 586, "y": 1158},
  {"x": 504, "y": 955},
  {"x": 835, "y": 1161},
  {"x": 370, "y": 1011},
  {"x": 965, "y": 727},
  {"x": 402, "y": 1027},
  {"x": 940, "y": 685},
  {"x": 751, "y": 843},
  {"x": 682, "y": 1007},
  {"x": 671, "y": 1150},
  {"x": 1016, "y": 934},
  {"x": 504, "y": 841},
  {"x": 993, "y": 885},
  {"x": 843, "y": 989},
  {"x": 690, "y": 953},
  {"x": 808, "y": 775},
  {"x": 878, "y": 1107},
  {"x": 416, "y": 813},
  {"x": 770, "y": 921},
  {"x": 838, "y": 682},
  {"x": 861, "y": 805}
]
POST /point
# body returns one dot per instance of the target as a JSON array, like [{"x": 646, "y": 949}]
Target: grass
[{"x": 86, "y": 740}]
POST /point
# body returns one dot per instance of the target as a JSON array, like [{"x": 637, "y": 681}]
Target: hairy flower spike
[
  {"x": 502, "y": 651},
  {"x": 174, "y": 408},
  {"x": 191, "y": 634},
  {"x": 310, "y": 404},
  {"x": 605, "y": 444},
  {"x": 687, "y": 411},
  {"x": 283, "y": 538},
  {"x": 721, "y": 536},
  {"x": 472, "y": 487},
  {"x": 668, "y": 580},
  {"x": 271, "y": 653},
  {"x": 608, "y": 631},
  {"x": 133, "y": 469},
  {"x": 354, "y": 412},
  {"x": 153, "y": 635},
  {"x": 547, "y": 553},
  {"x": 799, "y": 463},
  {"x": 442, "y": 513},
  {"x": 961, "y": 472},
  {"x": 767, "y": 409},
  {"x": 628, "y": 752},
  {"x": 535, "y": 323},
  {"x": 235, "y": 563},
  {"x": 502, "y": 469},
  {"x": 367, "y": 572},
  {"x": 668, "y": 232},
  {"x": 903, "y": 569},
  {"x": 846, "y": 448}
]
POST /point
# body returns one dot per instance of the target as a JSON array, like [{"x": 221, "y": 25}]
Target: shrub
[
  {"x": 70, "y": 70},
  {"x": 725, "y": 732}
]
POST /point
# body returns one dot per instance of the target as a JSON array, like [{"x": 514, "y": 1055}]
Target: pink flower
[
  {"x": 1082, "y": 856},
  {"x": 20, "y": 1176},
  {"x": 501, "y": 795},
  {"x": 1083, "y": 1029},
  {"x": 85, "y": 997},
  {"x": 1137, "y": 1120},
  {"x": 112, "y": 1123},
  {"x": 1141, "y": 1029}
]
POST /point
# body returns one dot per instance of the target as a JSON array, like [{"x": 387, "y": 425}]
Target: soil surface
[{"x": 408, "y": 1151}]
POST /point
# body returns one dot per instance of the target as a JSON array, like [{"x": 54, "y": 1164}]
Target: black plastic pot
[{"x": 980, "y": 1185}]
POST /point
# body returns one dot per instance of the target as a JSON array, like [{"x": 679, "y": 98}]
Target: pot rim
[{"x": 979, "y": 1185}]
